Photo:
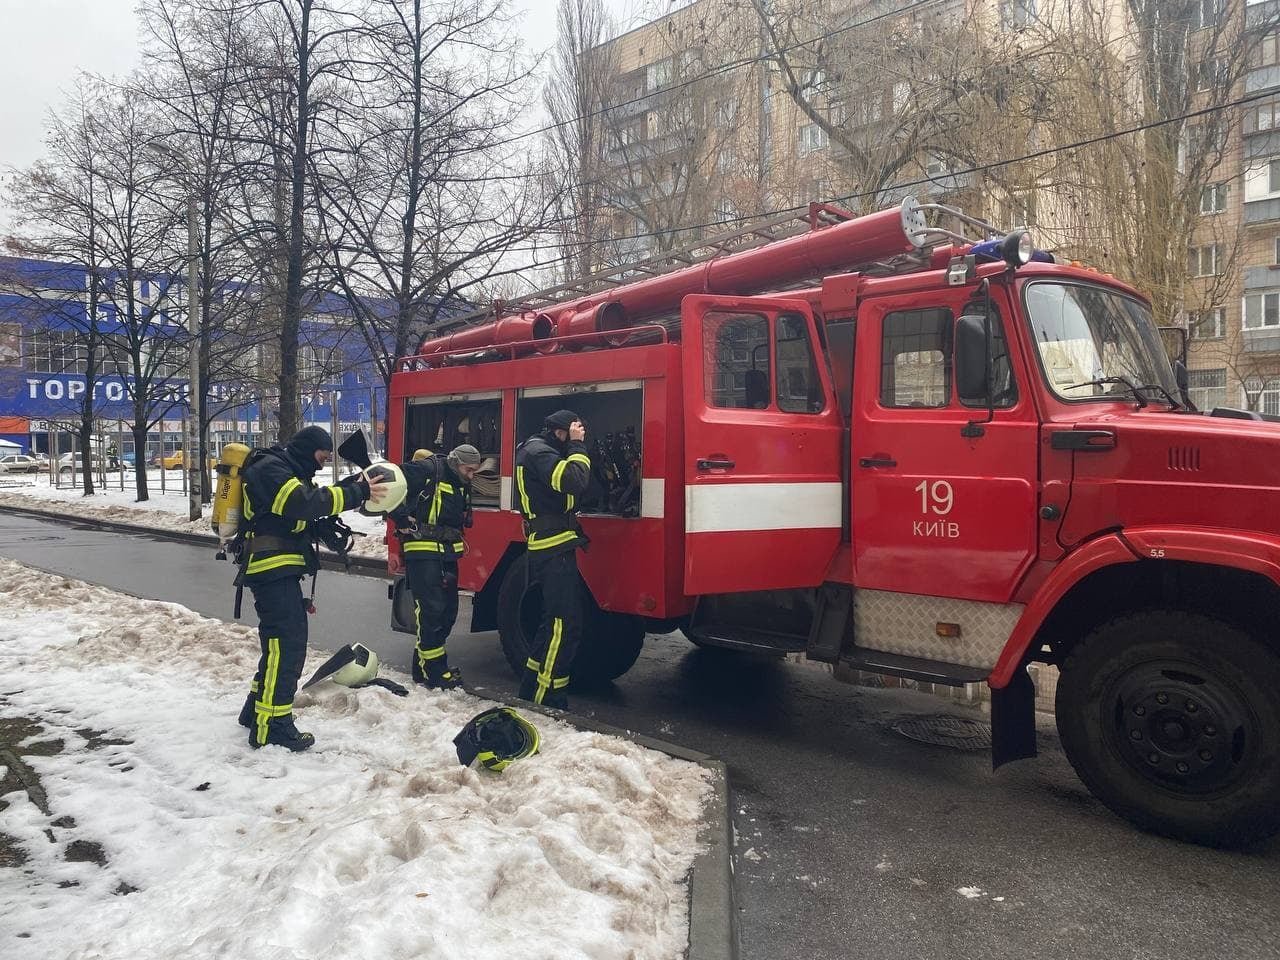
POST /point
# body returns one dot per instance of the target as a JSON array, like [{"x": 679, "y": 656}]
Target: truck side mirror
[
  {"x": 971, "y": 357},
  {"x": 1175, "y": 344}
]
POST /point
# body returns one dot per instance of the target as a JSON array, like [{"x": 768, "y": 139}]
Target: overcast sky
[{"x": 48, "y": 41}]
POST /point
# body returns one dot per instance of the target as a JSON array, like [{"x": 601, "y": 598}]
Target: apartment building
[{"x": 1234, "y": 259}]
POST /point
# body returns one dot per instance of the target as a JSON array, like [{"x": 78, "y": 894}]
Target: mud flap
[{"x": 1013, "y": 720}]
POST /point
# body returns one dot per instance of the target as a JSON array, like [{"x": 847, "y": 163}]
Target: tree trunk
[
  {"x": 139, "y": 430},
  {"x": 85, "y": 436}
]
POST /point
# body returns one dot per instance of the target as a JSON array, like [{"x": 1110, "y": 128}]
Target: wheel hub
[{"x": 1180, "y": 726}]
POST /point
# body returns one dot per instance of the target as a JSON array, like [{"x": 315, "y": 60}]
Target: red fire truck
[{"x": 880, "y": 442}]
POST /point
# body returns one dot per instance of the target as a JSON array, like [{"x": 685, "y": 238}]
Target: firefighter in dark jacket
[
  {"x": 281, "y": 500},
  {"x": 430, "y": 527},
  {"x": 552, "y": 473}
]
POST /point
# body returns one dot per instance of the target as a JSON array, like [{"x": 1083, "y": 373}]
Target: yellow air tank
[{"x": 227, "y": 498}]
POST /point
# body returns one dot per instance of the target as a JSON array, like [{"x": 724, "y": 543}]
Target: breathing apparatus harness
[
  {"x": 331, "y": 532},
  {"x": 411, "y": 522}
]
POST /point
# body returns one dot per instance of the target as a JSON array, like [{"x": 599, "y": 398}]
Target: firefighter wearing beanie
[
  {"x": 280, "y": 501},
  {"x": 430, "y": 529},
  {"x": 552, "y": 473}
]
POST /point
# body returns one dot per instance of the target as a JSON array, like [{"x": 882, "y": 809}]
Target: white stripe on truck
[{"x": 724, "y": 507}]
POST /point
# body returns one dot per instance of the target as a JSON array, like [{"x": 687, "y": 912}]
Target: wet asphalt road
[{"x": 851, "y": 840}]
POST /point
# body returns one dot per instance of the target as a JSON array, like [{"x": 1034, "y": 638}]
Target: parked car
[
  {"x": 19, "y": 463},
  {"x": 69, "y": 461},
  {"x": 129, "y": 459},
  {"x": 176, "y": 460}
]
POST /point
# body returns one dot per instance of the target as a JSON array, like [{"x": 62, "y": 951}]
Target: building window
[
  {"x": 1207, "y": 388},
  {"x": 1262, "y": 310},
  {"x": 1275, "y": 258},
  {"x": 1261, "y": 117},
  {"x": 812, "y": 139},
  {"x": 1211, "y": 73},
  {"x": 726, "y": 113},
  {"x": 657, "y": 75},
  {"x": 1206, "y": 13},
  {"x": 725, "y": 211},
  {"x": 1267, "y": 51},
  {"x": 1262, "y": 394},
  {"x": 1262, "y": 180},
  {"x": 1207, "y": 324},
  {"x": 1213, "y": 198},
  {"x": 1206, "y": 261},
  {"x": 1016, "y": 14},
  {"x": 936, "y": 165}
]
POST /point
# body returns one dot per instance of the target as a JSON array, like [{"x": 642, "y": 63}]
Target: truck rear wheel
[
  {"x": 1173, "y": 721},
  {"x": 611, "y": 642}
]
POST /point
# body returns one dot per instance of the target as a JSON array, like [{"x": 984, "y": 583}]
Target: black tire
[
  {"x": 1173, "y": 721},
  {"x": 611, "y": 642}
]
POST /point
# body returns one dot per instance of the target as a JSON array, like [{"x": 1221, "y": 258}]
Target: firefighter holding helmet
[
  {"x": 281, "y": 503},
  {"x": 430, "y": 528},
  {"x": 552, "y": 472}
]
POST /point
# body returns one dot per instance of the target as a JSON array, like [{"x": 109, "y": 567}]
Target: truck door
[
  {"x": 939, "y": 508},
  {"x": 761, "y": 447}
]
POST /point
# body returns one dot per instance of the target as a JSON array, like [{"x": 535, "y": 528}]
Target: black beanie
[
  {"x": 307, "y": 441},
  {"x": 560, "y": 420}
]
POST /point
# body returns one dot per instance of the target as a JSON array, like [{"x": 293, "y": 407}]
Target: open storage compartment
[
  {"x": 613, "y": 413},
  {"x": 438, "y": 424}
]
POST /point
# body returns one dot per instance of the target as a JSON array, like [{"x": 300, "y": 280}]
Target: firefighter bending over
[
  {"x": 552, "y": 473},
  {"x": 281, "y": 501},
  {"x": 429, "y": 526}
]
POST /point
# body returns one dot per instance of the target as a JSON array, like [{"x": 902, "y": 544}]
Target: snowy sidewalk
[
  {"x": 164, "y": 834},
  {"x": 164, "y": 511}
]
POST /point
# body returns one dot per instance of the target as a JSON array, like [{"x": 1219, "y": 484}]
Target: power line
[
  {"x": 721, "y": 70},
  {"x": 892, "y": 188}
]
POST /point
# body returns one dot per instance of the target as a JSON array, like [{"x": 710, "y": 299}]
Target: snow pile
[
  {"x": 376, "y": 843},
  {"x": 164, "y": 511}
]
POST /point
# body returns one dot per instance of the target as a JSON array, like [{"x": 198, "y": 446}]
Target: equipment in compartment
[
  {"x": 613, "y": 416},
  {"x": 439, "y": 427}
]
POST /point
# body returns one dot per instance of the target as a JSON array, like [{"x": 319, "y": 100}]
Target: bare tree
[
  {"x": 60, "y": 217},
  {"x": 193, "y": 53},
  {"x": 419, "y": 201},
  {"x": 582, "y": 79}
]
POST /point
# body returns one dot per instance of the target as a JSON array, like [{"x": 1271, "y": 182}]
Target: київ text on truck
[{"x": 879, "y": 443}]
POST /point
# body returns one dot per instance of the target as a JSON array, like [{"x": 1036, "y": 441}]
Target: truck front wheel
[
  {"x": 610, "y": 645},
  {"x": 1173, "y": 721}
]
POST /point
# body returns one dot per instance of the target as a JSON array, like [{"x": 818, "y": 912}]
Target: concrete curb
[
  {"x": 361, "y": 566},
  {"x": 713, "y": 933}
]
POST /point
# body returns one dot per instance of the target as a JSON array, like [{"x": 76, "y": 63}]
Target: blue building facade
[{"x": 43, "y": 330}]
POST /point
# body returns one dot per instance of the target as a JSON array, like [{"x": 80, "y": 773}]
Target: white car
[
  {"x": 69, "y": 461},
  {"x": 19, "y": 463}
]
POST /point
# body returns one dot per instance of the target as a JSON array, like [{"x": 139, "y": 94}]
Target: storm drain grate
[{"x": 959, "y": 733}]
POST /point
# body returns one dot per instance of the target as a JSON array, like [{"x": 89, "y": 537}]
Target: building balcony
[
  {"x": 1262, "y": 143},
  {"x": 1266, "y": 340},
  {"x": 1262, "y": 211},
  {"x": 1263, "y": 277}
]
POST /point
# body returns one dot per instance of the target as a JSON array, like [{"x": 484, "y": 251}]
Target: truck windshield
[{"x": 1096, "y": 344}]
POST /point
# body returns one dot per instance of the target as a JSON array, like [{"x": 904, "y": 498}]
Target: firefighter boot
[
  {"x": 246, "y": 712},
  {"x": 282, "y": 733},
  {"x": 448, "y": 678},
  {"x": 548, "y": 695}
]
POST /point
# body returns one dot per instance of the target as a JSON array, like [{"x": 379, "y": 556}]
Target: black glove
[{"x": 334, "y": 534}]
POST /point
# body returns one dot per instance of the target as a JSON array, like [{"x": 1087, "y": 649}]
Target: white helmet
[
  {"x": 352, "y": 666},
  {"x": 393, "y": 492}
]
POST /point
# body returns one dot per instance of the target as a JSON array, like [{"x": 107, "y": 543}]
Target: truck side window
[
  {"x": 736, "y": 367},
  {"x": 915, "y": 366},
  {"x": 799, "y": 389}
]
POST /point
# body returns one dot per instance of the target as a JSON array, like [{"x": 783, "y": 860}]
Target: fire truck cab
[{"x": 879, "y": 443}]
